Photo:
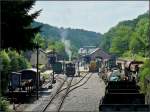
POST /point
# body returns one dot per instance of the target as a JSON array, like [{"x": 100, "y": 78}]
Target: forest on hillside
[
  {"x": 129, "y": 38},
  {"x": 21, "y": 33},
  {"x": 77, "y": 37}
]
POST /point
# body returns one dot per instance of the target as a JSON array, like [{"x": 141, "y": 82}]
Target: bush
[
  {"x": 18, "y": 61},
  {"x": 11, "y": 61},
  {"x": 23, "y": 63},
  {"x": 4, "y": 105},
  {"x": 14, "y": 56},
  {"x": 5, "y": 62},
  {"x": 5, "y": 68},
  {"x": 145, "y": 72}
]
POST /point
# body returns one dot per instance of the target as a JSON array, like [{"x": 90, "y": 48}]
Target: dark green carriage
[
  {"x": 57, "y": 68},
  {"x": 112, "y": 62}
]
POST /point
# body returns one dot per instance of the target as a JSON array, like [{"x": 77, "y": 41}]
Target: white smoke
[{"x": 64, "y": 33}]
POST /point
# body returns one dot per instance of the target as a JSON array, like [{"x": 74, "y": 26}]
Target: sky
[{"x": 98, "y": 16}]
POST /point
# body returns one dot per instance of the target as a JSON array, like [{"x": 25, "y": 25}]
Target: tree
[
  {"x": 16, "y": 22},
  {"x": 144, "y": 73},
  {"x": 129, "y": 37},
  {"x": 40, "y": 40},
  {"x": 14, "y": 63},
  {"x": 135, "y": 45},
  {"x": 11, "y": 61},
  {"x": 4, "y": 69},
  {"x": 142, "y": 29},
  {"x": 120, "y": 43},
  {"x": 23, "y": 63}
]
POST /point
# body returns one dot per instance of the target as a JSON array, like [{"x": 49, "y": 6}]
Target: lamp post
[
  {"x": 63, "y": 65},
  {"x": 78, "y": 68},
  {"x": 132, "y": 53},
  {"x": 53, "y": 80},
  {"x": 37, "y": 75}
]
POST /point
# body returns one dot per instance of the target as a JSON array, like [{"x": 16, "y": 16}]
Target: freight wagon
[{"x": 24, "y": 83}]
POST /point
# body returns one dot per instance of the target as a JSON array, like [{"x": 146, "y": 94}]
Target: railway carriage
[{"x": 57, "y": 67}]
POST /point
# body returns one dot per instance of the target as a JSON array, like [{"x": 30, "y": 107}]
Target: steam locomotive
[{"x": 70, "y": 69}]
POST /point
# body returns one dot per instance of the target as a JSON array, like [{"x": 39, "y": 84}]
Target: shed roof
[
  {"x": 29, "y": 69},
  {"x": 100, "y": 53}
]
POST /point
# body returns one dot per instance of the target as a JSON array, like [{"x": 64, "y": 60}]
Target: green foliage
[
  {"x": 5, "y": 68},
  {"x": 14, "y": 63},
  {"x": 18, "y": 61},
  {"x": 145, "y": 70},
  {"x": 127, "y": 54},
  {"x": 129, "y": 38},
  {"x": 144, "y": 73},
  {"x": 58, "y": 46},
  {"x": 4, "y": 105},
  {"x": 40, "y": 40},
  {"x": 142, "y": 29},
  {"x": 134, "y": 44},
  {"x": 11, "y": 61},
  {"x": 23, "y": 63},
  {"x": 5, "y": 61},
  {"x": 17, "y": 31},
  {"x": 107, "y": 40},
  {"x": 121, "y": 40},
  {"x": 78, "y": 37}
]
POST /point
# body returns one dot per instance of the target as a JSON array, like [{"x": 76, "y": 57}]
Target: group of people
[{"x": 131, "y": 74}]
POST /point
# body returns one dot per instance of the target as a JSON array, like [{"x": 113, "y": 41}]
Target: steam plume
[{"x": 64, "y": 33}]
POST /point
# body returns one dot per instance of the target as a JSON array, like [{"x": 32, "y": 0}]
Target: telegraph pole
[
  {"x": 37, "y": 75},
  {"x": 53, "y": 80},
  {"x": 78, "y": 68}
]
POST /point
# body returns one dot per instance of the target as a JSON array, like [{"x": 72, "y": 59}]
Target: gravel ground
[
  {"x": 39, "y": 104},
  {"x": 86, "y": 97},
  {"x": 44, "y": 94}
]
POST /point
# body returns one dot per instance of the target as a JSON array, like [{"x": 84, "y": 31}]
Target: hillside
[
  {"x": 128, "y": 37},
  {"x": 77, "y": 37}
]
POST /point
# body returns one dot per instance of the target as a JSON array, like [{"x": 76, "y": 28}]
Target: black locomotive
[{"x": 70, "y": 69}]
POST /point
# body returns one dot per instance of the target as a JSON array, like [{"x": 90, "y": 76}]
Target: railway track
[
  {"x": 70, "y": 90},
  {"x": 70, "y": 87}
]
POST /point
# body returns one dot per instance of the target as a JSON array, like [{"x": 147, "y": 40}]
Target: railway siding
[
  {"x": 86, "y": 97},
  {"x": 44, "y": 99},
  {"x": 38, "y": 105}
]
